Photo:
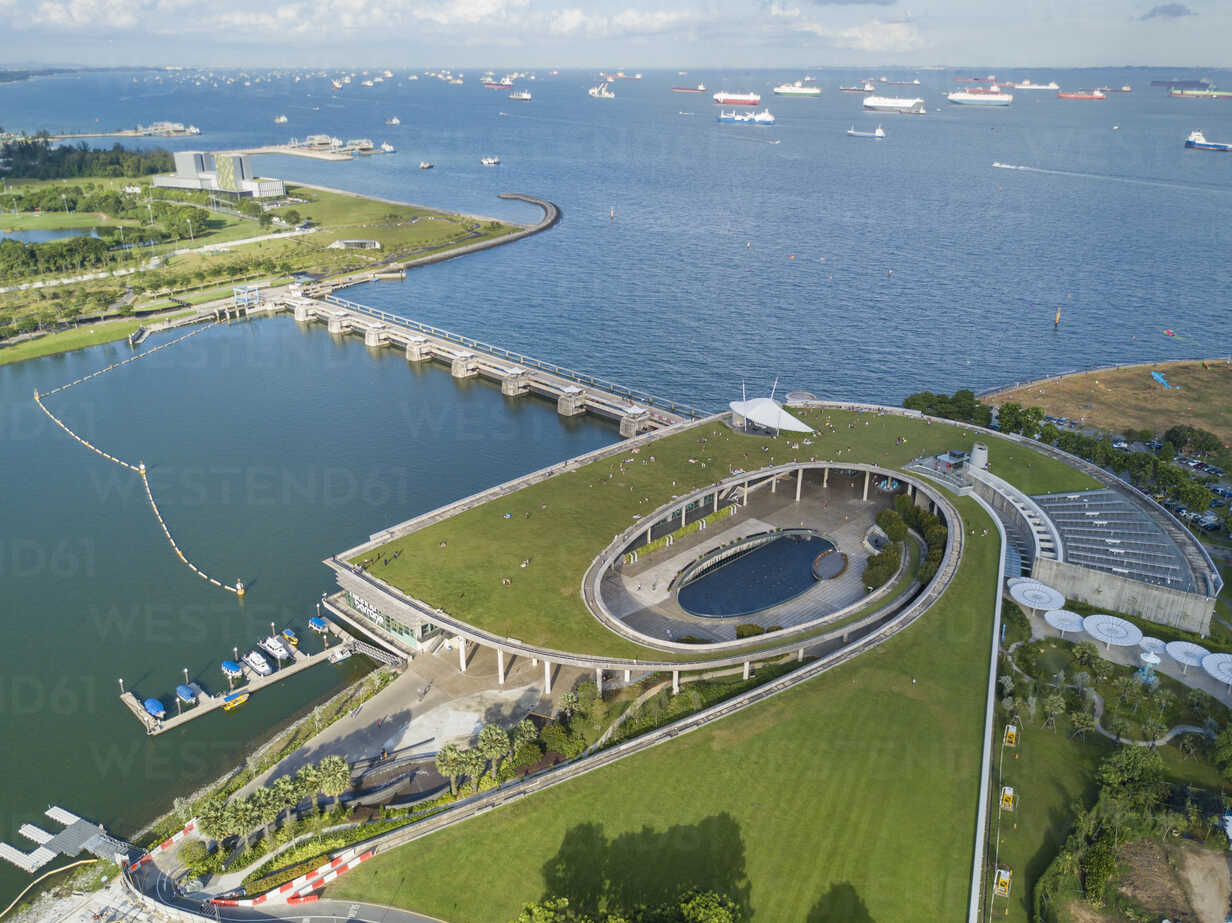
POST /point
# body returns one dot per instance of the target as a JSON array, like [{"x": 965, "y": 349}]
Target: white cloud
[
  {"x": 89, "y": 14},
  {"x": 880, "y": 36},
  {"x": 784, "y": 12},
  {"x": 573, "y": 21}
]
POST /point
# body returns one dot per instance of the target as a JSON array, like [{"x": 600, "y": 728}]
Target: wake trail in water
[{"x": 1190, "y": 187}]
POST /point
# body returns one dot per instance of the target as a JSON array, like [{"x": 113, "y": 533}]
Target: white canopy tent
[{"x": 766, "y": 413}]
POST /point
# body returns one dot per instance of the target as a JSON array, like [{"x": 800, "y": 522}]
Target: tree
[
  {"x": 1009, "y": 417},
  {"x": 211, "y": 817},
  {"x": 473, "y": 765},
  {"x": 291, "y": 217},
  {"x": 1054, "y": 707},
  {"x": 708, "y": 907},
  {"x": 567, "y": 703},
  {"x": 449, "y": 765},
  {"x": 335, "y": 776},
  {"x": 1152, "y": 730},
  {"x": 524, "y": 732},
  {"x": 1117, "y": 726},
  {"x": 494, "y": 745},
  {"x": 1189, "y": 745},
  {"x": 1221, "y": 753},
  {"x": 287, "y": 793},
  {"x": 1086, "y": 653},
  {"x": 265, "y": 807},
  {"x": 1083, "y": 722},
  {"x": 308, "y": 782},
  {"x": 265, "y": 219}
]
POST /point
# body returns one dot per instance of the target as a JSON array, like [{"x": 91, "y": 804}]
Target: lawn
[
  {"x": 1130, "y": 397},
  {"x": 69, "y": 340},
  {"x": 563, "y": 523},
  {"x": 851, "y": 797},
  {"x": 25, "y": 221}
]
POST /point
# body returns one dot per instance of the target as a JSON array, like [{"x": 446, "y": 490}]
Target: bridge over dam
[{"x": 574, "y": 393}]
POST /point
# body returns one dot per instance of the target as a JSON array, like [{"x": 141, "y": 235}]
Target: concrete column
[
  {"x": 867, "y": 476},
  {"x": 825, "y": 477},
  {"x": 675, "y": 682},
  {"x": 682, "y": 515},
  {"x": 648, "y": 535},
  {"x": 599, "y": 679},
  {"x": 799, "y": 482},
  {"x": 800, "y": 655},
  {"x": 547, "y": 677},
  {"x": 461, "y": 654},
  {"x": 745, "y": 500},
  {"x": 716, "y": 502},
  {"x": 774, "y": 484},
  {"x": 500, "y": 666},
  {"x": 628, "y": 676},
  {"x": 747, "y": 666}
]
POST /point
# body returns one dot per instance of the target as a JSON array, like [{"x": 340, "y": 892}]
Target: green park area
[
  {"x": 469, "y": 565},
  {"x": 851, "y": 797}
]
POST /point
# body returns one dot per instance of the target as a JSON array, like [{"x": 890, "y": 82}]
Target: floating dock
[
  {"x": 77, "y": 835},
  {"x": 253, "y": 681}
]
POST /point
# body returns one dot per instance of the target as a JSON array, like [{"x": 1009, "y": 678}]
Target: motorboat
[
  {"x": 275, "y": 648},
  {"x": 490, "y": 161},
  {"x": 257, "y": 663},
  {"x": 426, "y": 164},
  {"x": 289, "y": 635},
  {"x": 186, "y": 695},
  {"x": 155, "y": 708},
  {"x": 234, "y": 700}
]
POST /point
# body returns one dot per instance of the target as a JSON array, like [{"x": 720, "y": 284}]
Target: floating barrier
[{"x": 139, "y": 468}]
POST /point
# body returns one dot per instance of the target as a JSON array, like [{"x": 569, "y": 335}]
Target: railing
[{"x": 602, "y": 384}]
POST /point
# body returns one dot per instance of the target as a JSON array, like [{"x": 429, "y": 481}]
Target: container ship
[
  {"x": 700, "y": 88},
  {"x": 1198, "y": 142},
  {"x": 1082, "y": 94},
  {"x": 967, "y": 98},
  {"x": 1207, "y": 93},
  {"x": 747, "y": 118},
  {"x": 723, "y": 98},
  {"x": 894, "y": 104},
  {"x": 797, "y": 89}
]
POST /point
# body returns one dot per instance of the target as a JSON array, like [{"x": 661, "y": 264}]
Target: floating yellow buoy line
[{"x": 139, "y": 468}]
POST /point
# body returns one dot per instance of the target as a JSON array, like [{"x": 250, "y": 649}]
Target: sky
[{"x": 624, "y": 33}]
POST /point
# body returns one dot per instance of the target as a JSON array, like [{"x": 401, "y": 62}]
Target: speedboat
[
  {"x": 275, "y": 648},
  {"x": 234, "y": 700},
  {"x": 490, "y": 161},
  {"x": 290, "y": 637},
  {"x": 259, "y": 664}
]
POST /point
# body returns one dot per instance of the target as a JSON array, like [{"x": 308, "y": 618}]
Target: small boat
[
  {"x": 426, "y": 164},
  {"x": 186, "y": 695},
  {"x": 275, "y": 648},
  {"x": 521, "y": 95},
  {"x": 339, "y": 655},
  {"x": 490, "y": 161},
  {"x": 1198, "y": 142},
  {"x": 155, "y": 708},
  {"x": 387, "y": 147},
  {"x": 337, "y": 84},
  {"x": 878, "y": 135},
  {"x": 280, "y": 120},
  {"x": 232, "y": 669},
  {"x": 601, "y": 92},
  {"x": 700, "y": 88},
  {"x": 258, "y": 663},
  {"x": 316, "y": 623},
  {"x": 393, "y": 121},
  {"x": 234, "y": 700},
  {"x": 290, "y": 637}
]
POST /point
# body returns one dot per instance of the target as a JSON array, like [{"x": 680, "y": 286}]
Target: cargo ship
[
  {"x": 894, "y": 104},
  {"x": 1208, "y": 93},
  {"x": 1198, "y": 142},
  {"x": 1082, "y": 94},
  {"x": 700, "y": 88},
  {"x": 878, "y": 135},
  {"x": 521, "y": 95},
  {"x": 797, "y": 89},
  {"x": 747, "y": 118},
  {"x": 1203, "y": 84},
  {"x": 967, "y": 98},
  {"x": 865, "y": 87},
  {"x": 723, "y": 98}
]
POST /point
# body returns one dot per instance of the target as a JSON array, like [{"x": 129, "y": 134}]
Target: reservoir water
[
  {"x": 42, "y": 235},
  {"x": 691, "y": 256}
]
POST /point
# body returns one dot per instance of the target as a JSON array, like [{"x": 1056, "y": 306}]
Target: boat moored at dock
[
  {"x": 1197, "y": 141},
  {"x": 154, "y": 708},
  {"x": 186, "y": 695},
  {"x": 318, "y": 624},
  {"x": 257, "y": 663},
  {"x": 234, "y": 700},
  {"x": 274, "y": 647},
  {"x": 290, "y": 637},
  {"x": 232, "y": 670},
  {"x": 894, "y": 104}
]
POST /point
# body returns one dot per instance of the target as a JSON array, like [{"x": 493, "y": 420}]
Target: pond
[
  {"x": 42, "y": 235},
  {"x": 768, "y": 574}
]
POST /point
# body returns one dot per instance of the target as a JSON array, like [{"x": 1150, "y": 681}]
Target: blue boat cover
[
  {"x": 231, "y": 668},
  {"x": 155, "y": 707},
  {"x": 185, "y": 694},
  {"x": 318, "y": 623}
]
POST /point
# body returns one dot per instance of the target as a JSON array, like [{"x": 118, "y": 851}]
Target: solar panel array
[{"x": 1103, "y": 530}]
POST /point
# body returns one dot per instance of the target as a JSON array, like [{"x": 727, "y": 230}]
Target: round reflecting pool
[{"x": 726, "y": 584}]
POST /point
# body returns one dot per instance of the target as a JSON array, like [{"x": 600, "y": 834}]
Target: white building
[{"x": 219, "y": 173}]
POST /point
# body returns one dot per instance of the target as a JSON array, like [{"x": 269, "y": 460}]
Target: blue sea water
[
  {"x": 691, "y": 256},
  {"x": 850, "y": 268}
]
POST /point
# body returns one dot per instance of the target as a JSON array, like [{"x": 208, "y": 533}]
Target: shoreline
[{"x": 1125, "y": 366}]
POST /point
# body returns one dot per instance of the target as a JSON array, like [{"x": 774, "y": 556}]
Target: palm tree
[
  {"x": 567, "y": 703},
  {"x": 449, "y": 764},
  {"x": 1083, "y": 722},
  {"x": 473, "y": 765},
  {"x": 286, "y": 792},
  {"x": 1188, "y": 746},
  {"x": 211, "y": 818},
  {"x": 1117, "y": 725},
  {"x": 265, "y": 807},
  {"x": 1152, "y": 730},
  {"x": 1164, "y": 699},
  {"x": 335, "y": 776},
  {"x": 494, "y": 745},
  {"x": 524, "y": 732},
  {"x": 1054, "y": 707},
  {"x": 308, "y": 781}
]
